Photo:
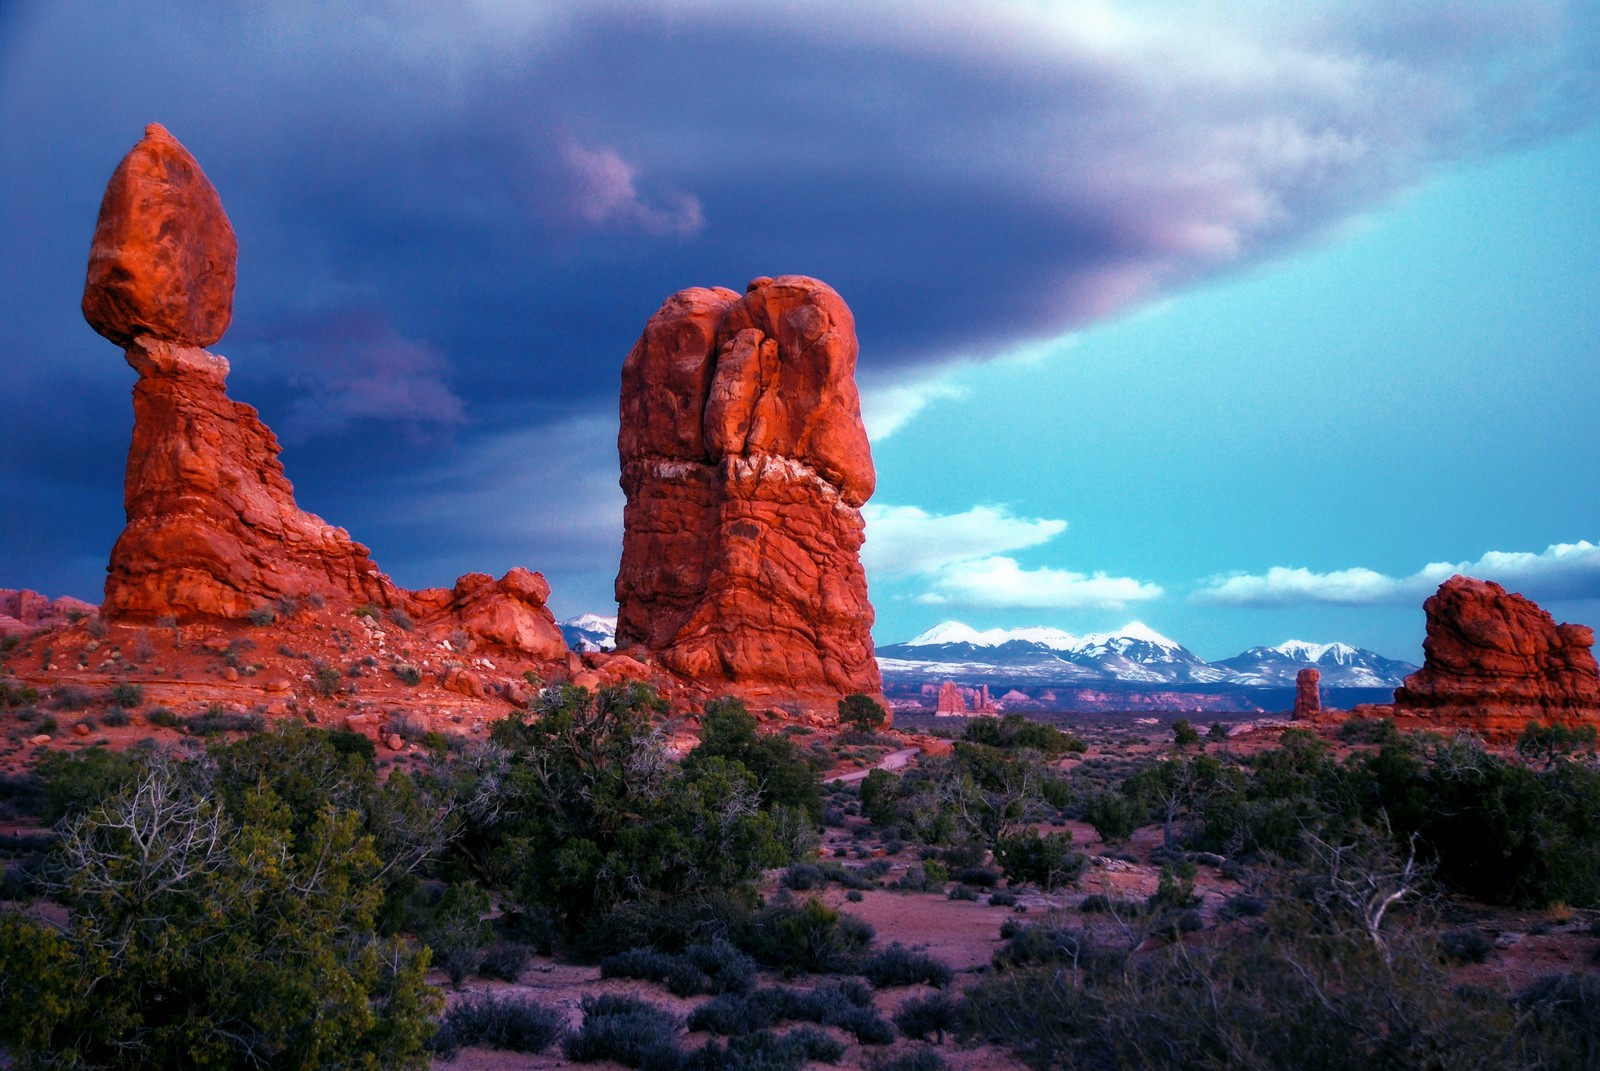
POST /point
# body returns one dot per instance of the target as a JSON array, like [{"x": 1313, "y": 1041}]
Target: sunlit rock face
[
  {"x": 745, "y": 466},
  {"x": 1498, "y": 659},
  {"x": 213, "y": 529}
]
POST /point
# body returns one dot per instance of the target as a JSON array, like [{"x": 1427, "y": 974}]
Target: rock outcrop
[
  {"x": 1308, "y": 693},
  {"x": 1496, "y": 660},
  {"x": 22, "y": 610},
  {"x": 745, "y": 466},
  {"x": 213, "y": 529}
]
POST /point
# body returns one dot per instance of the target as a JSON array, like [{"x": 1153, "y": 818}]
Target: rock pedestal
[
  {"x": 213, "y": 529},
  {"x": 745, "y": 466}
]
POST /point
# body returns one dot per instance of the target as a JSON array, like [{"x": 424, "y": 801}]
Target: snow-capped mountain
[
  {"x": 1340, "y": 664},
  {"x": 1134, "y": 654},
  {"x": 590, "y": 632}
]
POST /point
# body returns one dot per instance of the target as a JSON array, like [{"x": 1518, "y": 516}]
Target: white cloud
[
  {"x": 887, "y": 408},
  {"x": 1561, "y": 571},
  {"x": 999, "y": 583},
  {"x": 908, "y": 540},
  {"x": 960, "y": 561}
]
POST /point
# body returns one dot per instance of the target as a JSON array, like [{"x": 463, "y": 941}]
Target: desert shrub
[
  {"x": 626, "y": 1030},
  {"x": 262, "y": 616},
  {"x": 70, "y": 697},
  {"x": 711, "y": 967},
  {"x": 1114, "y": 816},
  {"x": 408, "y": 674},
  {"x": 1175, "y": 888},
  {"x": 963, "y": 892},
  {"x": 457, "y": 932},
  {"x": 850, "y": 877},
  {"x": 217, "y": 720},
  {"x": 847, "y": 1005},
  {"x": 17, "y": 695},
  {"x": 810, "y": 937},
  {"x": 401, "y": 619},
  {"x": 49, "y": 724},
  {"x": 1562, "y": 1019},
  {"x": 200, "y": 932},
  {"x": 1465, "y": 944},
  {"x": 125, "y": 695},
  {"x": 163, "y": 717},
  {"x": 507, "y": 1021},
  {"x": 603, "y": 816},
  {"x": 802, "y": 877},
  {"x": 668, "y": 924},
  {"x": 1184, "y": 734},
  {"x": 982, "y": 877},
  {"x": 766, "y": 1051},
  {"x": 854, "y": 896},
  {"x": 75, "y": 783},
  {"x": 116, "y": 717},
  {"x": 729, "y": 731},
  {"x": 1048, "y": 861},
  {"x": 326, "y": 679},
  {"x": 1368, "y": 731},
  {"x": 898, "y": 965},
  {"x": 1243, "y": 905},
  {"x": 1003, "y": 898},
  {"x": 921, "y": 1016},
  {"x": 861, "y": 714},
  {"x": 505, "y": 960},
  {"x": 1016, "y": 731}
]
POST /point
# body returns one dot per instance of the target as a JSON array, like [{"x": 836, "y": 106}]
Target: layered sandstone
[
  {"x": 745, "y": 466},
  {"x": 213, "y": 528},
  {"x": 1497, "y": 660},
  {"x": 22, "y": 610},
  {"x": 1308, "y": 693}
]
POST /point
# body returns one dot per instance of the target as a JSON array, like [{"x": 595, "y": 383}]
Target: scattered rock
[
  {"x": 80, "y": 729},
  {"x": 745, "y": 466},
  {"x": 394, "y": 743},
  {"x": 464, "y": 682},
  {"x": 41, "y": 738}
]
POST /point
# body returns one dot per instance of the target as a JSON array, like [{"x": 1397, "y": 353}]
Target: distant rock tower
[
  {"x": 1307, "y": 693},
  {"x": 951, "y": 701},
  {"x": 745, "y": 465}
]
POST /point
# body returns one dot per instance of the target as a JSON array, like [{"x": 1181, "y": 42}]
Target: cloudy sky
[{"x": 1246, "y": 320}]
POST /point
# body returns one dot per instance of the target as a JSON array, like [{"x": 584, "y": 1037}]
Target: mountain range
[{"x": 1133, "y": 655}]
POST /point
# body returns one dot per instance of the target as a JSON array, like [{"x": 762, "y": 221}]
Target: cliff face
[
  {"x": 1496, "y": 659},
  {"x": 213, "y": 529},
  {"x": 745, "y": 465}
]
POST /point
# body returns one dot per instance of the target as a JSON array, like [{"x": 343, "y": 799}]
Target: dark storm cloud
[{"x": 498, "y": 195}]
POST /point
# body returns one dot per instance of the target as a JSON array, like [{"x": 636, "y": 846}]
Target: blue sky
[{"x": 1241, "y": 319}]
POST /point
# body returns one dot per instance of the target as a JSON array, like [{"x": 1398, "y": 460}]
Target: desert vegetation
[{"x": 1313, "y": 896}]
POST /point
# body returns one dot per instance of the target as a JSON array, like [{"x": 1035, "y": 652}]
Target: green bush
[
  {"x": 810, "y": 937},
  {"x": 1047, "y": 861},
  {"x": 861, "y": 713},
  {"x": 729, "y": 731},
  {"x": 457, "y": 932},
  {"x": 1114, "y": 816},
  {"x": 125, "y": 695},
  {"x": 921, "y": 1016},
  {"x": 628, "y": 1031}
]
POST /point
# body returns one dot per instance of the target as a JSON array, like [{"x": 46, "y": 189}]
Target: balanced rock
[
  {"x": 162, "y": 261},
  {"x": 213, "y": 529},
  {"x": 1307, "y": 693},
  {"x": 1499, "y": 660},
  {"x": 745, "y": 466}
]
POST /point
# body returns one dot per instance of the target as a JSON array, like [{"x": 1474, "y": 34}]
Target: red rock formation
[
  {"x": 162, "y": 260},
  {"x": 22, "y": 610},
  {"x": 1497, "y": 660},
  {"x": 745, "y": 465},
  {"x": 1307, "y": 693},
  {"x": 213, "y": 529},
  {"x": 951, "y": 701}
]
